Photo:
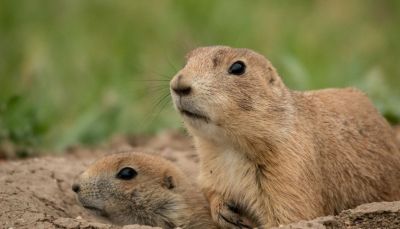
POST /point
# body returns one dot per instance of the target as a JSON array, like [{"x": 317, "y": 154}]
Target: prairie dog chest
[{"x": 230, "y": 174}]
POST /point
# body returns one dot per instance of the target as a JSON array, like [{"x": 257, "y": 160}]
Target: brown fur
[
  {"x": 160, "y": 194},
  {"x": 275, "y": 155}
]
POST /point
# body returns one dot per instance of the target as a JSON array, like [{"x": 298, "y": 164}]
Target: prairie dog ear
[
  {"x": 272, "y": 74},
  {"x": 169, "y": 181},
  {"x": 188, "y": 55}
]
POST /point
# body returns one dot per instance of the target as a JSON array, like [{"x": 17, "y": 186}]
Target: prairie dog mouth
[
  {"x": 194, "y": 115},
  {"x": 96, "y": 210},
  {"x": 187, "y": 109}
]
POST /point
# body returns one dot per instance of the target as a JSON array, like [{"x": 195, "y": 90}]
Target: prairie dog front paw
[{"x": 228, "y": 215}]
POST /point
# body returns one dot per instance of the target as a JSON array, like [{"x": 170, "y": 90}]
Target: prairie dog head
[
  {"x": 135, "y": 188},
  {"x": 222, "y": 91}
]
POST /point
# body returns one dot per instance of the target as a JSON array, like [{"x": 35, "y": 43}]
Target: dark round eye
[
  {"x": 237, "y": 68},
  {"x": 126, "y": 173}
]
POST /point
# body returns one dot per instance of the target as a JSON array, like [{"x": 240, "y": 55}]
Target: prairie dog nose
[
  {"x": 182, "y": 90},
  {"x": 180, "y": 86},
  {"x": 76, "y": 188}
]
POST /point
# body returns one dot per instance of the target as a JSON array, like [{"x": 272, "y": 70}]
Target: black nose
[
  {"x": 76, "y": 188},
  {"x": 182, "y": 90}
]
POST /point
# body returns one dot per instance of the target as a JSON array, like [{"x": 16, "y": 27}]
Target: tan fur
[
  {"x": 160, "y": 194},
  {"x": 279, "y": 155}
]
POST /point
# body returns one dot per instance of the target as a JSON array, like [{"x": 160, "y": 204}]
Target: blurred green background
[{"x": 75, "y": 71}]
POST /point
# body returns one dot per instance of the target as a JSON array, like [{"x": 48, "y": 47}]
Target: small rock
[{"x": 66, "y": 223}]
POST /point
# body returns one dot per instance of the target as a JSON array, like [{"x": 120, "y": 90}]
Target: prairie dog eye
[
  {"x": 237, "y": 68},
  {"x": 126, "y": 173}
]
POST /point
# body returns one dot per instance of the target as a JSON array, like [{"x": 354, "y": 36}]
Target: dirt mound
[
  {"x": 36, "y": 193},
  {"x": 373, "y": 215}
]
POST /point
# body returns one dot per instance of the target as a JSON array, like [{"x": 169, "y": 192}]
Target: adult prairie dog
[
  {"x": 276, "y": 155},
  {"x": 136, "y": 188}
]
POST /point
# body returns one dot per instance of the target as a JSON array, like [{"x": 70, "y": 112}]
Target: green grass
[{"x": 80, "y": 71}]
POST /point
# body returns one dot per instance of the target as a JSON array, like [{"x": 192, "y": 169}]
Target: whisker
[
  {"x": 162, "y": 103},
  {"x": 157, "y": 86},
  {"x": 164, "y": 76},
  {"x": 165, "y": 103},
  {"x": 159, "y": 89},
  {"x": 171, "y": 64},
  {"x": 161, "y": 98},
  {"x": 155, "y": 80},
  {"x": 142, "y": 70},
  {"x": 165, "y": 86}
]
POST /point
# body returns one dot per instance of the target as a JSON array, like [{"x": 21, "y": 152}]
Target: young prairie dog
[
  {"x": 136, "y": 188},
  {"x": 275, "y": 155}
]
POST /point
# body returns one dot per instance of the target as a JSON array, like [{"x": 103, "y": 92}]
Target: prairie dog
[
  {"x": 136, "y": 188},
  {"x": 276, "y": 155}
]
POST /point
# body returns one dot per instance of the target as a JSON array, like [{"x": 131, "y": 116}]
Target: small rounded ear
[
  {"x": 169, "y": 182},
  {"x": 273, "y": 75}
]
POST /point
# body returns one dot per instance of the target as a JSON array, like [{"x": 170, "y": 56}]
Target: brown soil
[
  {"x": 384, "y": 215},
  {"x": 36, "y": 192}
]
